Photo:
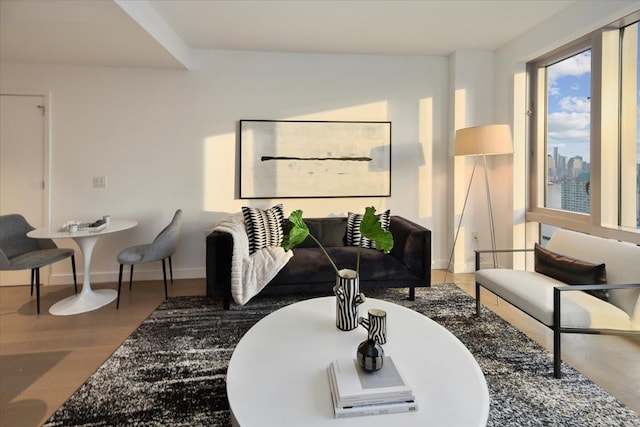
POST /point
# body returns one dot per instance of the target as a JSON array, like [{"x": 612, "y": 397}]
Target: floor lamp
[{"x": 480, "y": 142}]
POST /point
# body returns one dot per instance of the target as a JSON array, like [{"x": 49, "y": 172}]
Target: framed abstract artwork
[{"x": 305, "y": 159}]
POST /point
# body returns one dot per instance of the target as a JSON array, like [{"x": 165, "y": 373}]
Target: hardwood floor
[{"x": 45, "y": 358}]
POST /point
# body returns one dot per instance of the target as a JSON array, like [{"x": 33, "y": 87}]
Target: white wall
[
  {"x": 166, "y": 139},
  {"x": 471, "y": 94}
]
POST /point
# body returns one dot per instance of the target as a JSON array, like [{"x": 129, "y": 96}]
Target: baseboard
[
  {"x": 112, "y": 276},
  {"x": 468, "y": 267}
]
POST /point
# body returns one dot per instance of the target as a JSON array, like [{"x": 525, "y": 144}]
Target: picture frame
[{"x": 314, "y": 159}]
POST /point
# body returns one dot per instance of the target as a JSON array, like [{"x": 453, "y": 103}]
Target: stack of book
[
  {"x": 95, "y": 226},
  {"x": 355, "y": 392}
]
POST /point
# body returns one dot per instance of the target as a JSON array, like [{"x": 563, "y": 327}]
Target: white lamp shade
[{"x": 483, "y": 140}]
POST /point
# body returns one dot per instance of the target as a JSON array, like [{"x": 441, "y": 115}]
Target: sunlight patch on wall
[
  {"x": 519, "y": 150},
  {"x": 425, "y": 172},
  {"x": 519, "y": 173},
  {"x": 219, "y": 174},
  {"x": 374, "y": 111},
  {"x": 460, "y": 181}
]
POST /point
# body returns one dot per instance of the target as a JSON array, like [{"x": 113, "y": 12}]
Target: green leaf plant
[{"x": 370, "y": 228}]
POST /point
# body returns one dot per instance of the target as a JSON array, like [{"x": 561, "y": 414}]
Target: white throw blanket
[{"x": 250, "y": 273}]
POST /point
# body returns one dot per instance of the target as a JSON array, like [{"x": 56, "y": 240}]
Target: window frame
[{"x": 605, "y": 164}]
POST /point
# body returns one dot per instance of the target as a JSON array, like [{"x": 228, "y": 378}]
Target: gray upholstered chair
[
  {"x": 19, "y": 252},
  {"x": 163, "y": 246}
]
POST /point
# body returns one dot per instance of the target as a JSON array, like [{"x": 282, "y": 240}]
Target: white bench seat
[
  {"x": 547, "y": 299},
  {"x": 532, "y": 293}
]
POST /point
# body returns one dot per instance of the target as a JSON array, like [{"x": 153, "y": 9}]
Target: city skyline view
[{"x": 569, "y": 106}]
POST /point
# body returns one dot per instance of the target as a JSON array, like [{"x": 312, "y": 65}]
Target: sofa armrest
[
  {"x": 605, "y": 286},
  {"x": 218, "y": 265},
  {"x": 491, "y": 251},
  {"x": 557, "y": 291},
  {"x": 412, "y": 246}
]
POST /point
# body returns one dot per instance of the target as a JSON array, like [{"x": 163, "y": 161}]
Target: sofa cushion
[
  {"x": 329, "y": 231},
  {"x": 264, "y": 227},
  {"x": 570, "y": 270},
  {"x": 309, "y": 265},
  {"x": 353, "y": 229}
]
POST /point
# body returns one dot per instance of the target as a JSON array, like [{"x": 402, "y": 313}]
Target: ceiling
[{"x": 158, "y": 33}]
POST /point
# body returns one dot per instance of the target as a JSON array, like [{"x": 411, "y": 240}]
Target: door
[{"x": 22, "y": 166}]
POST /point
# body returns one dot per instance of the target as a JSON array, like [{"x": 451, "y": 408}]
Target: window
[
  {"x": 585, "y": 129},
  {"x": 567, "y": 133}
]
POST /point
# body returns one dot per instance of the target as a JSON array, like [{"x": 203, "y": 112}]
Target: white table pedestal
[{"x": 88, "y": 299}]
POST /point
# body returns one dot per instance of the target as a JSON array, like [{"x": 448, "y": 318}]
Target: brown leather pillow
[{"x": 570, "y": 270}]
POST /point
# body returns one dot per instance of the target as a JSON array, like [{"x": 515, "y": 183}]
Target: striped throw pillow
[
  {"x": 353, "y": 229},
  {"x": 264, "y": 227}
]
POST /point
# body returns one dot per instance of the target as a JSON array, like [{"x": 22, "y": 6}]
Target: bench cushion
[
  {"x": 570, "y": 270},
  {"x": 620, "y": 258},
  {"x": 533, "y": 293}
]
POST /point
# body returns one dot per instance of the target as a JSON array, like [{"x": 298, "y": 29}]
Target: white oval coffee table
[{"x": 277, "y": 374}]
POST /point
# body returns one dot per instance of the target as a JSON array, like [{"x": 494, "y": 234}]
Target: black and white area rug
[{"x": 171, "y": 371}]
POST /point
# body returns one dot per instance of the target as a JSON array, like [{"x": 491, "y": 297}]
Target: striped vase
[{"x": 348, "y": 298}]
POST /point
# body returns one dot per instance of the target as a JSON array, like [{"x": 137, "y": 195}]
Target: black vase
[{"x": 370, "y": 355}]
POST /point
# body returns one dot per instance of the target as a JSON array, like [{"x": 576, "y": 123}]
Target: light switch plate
[{"x": 99, "y": 182}]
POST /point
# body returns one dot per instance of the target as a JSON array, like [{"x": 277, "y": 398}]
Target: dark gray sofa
[{"x": 407, "y": 265}]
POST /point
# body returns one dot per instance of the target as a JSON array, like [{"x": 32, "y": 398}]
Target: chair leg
[
  {"x": 119, "y": 286},
  {"x": 171, "y": 270},
  {"x": 477, "y": 299},
  {"x": 33, "y": 276},
  {"x": 73, "y": 266},
  {"x": 38, "y": 289},
  {"x": 131, "y": 277},
  {"x": 164, "y": 273}
]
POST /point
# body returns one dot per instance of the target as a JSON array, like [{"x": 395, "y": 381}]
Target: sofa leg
[
  {"x": 477, "y": 299},
  {"x": 412, "y": 293},
  {"x": 557, "y": 359},
  {"x": 557, "y": 322}
]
